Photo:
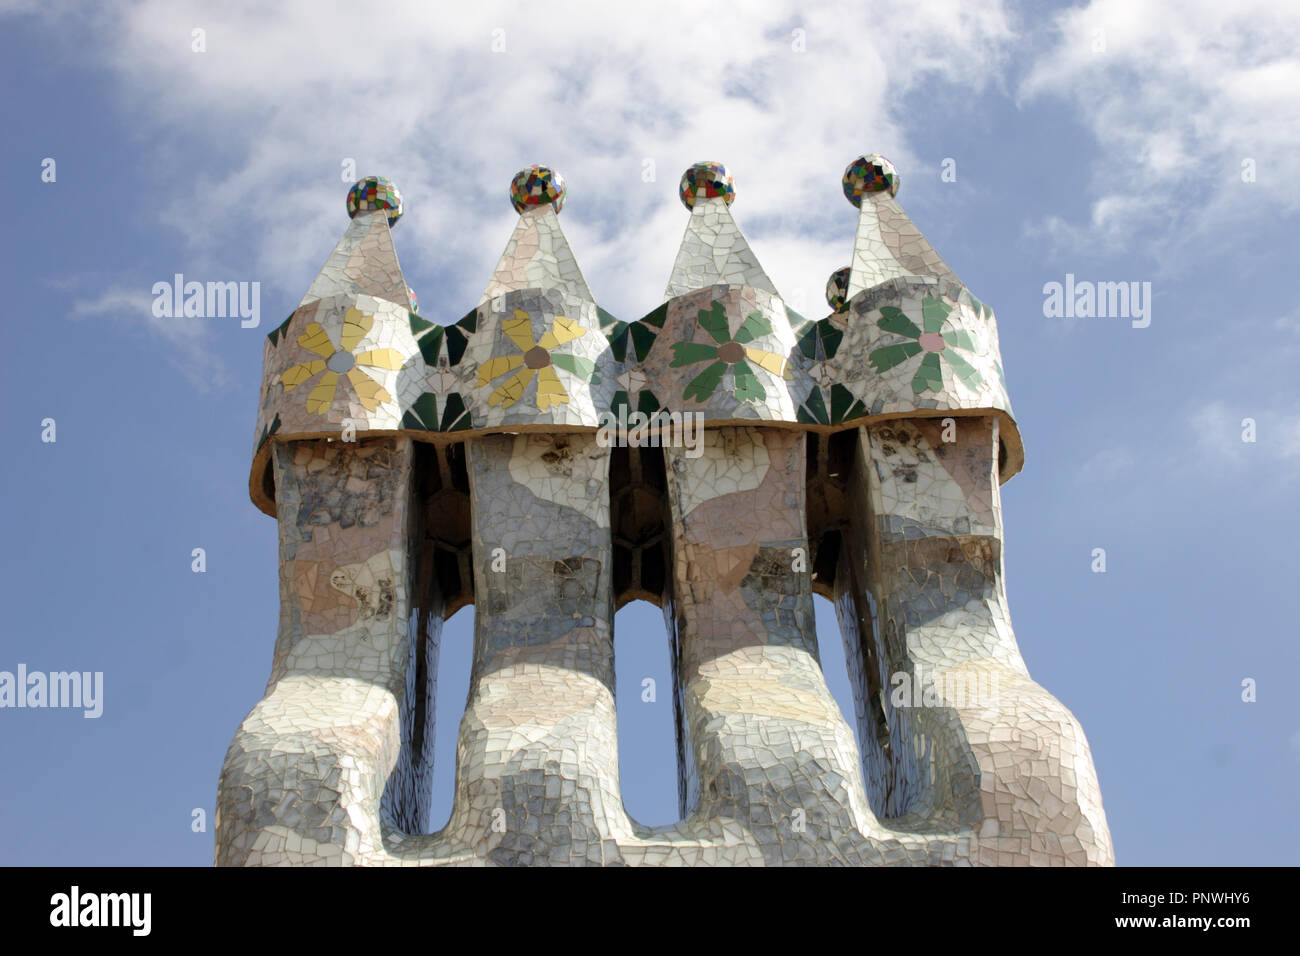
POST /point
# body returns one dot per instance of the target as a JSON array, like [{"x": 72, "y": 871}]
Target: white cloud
[
  {"x": 1219, "y": 433},
  {"x": 1203, "y": 446},
  {"x": 1183, "y": 92},
  {"x": 285, "y": 92},
  {"x": 188, "y": 340},
  {"x": 1106, "y": 466}
]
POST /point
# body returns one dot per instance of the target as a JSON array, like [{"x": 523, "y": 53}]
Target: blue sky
[{"x": 1115, "y": 141}]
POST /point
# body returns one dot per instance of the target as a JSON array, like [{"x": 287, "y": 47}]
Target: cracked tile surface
[{"x": 416, "y": 465}]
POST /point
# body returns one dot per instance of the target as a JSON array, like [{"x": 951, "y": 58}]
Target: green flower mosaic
[
  {"x": 841, "y": 408},
  {"x": 730, "y": 351},
  {"x": 640, "y": 333},
  {"x": 423, "y": 414},
  {"x": 646, "y": 403},
  {"x": 819, "y": 340},
  {"x": 931, "y": 340},
  {"x": 430, "y": 337}
]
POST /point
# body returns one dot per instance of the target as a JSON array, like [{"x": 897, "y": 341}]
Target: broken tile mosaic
[
  {"x": 706, "y": 180},
  {"x": 415, "y": 467},
  {"x": 537, "y": 186},
  {"x": 375, "y": 192}
]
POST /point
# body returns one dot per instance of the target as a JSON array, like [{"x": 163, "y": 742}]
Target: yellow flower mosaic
[
  {"x": 535, "y": 360},
  {"x": 339, "y": 360}
]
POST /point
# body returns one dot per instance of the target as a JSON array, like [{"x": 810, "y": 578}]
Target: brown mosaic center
[
  {"x": 537, "y": 357},
  {"x": 731, "y": 352}
]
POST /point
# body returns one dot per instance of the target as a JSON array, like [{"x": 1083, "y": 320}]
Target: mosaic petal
[
  {"x": 519, "y": 330},
  {"x": 584, "y": 368},
  {"x": 642, "y": 338},
  {"x": 748, "y": 387},
  {"x": 455, "y": 416},
  {"x": 813, "y": 410},
  {"x": 297, "y": 374},
  {"x": 934, "y": 313},
  {"x": 963, "y": 369},
  {"x": 755, "y": 325},
  {"x": 767, "y": 360},
  {"x": 355, "y": 326},
  {"x": 688, "y": 353},
  {"x": 886, "y": 357},
  {"x": 929, "y": 374},
  {"x": 496, "y": 367},
  {"x": 893, "y": 320},
  {"x": 960, "y": 339},
  {"x": 390, "y": 359},
  {"x": 423, "y": 413},
  {"x": 314, "y": 339},
  {"x": 714, "y": 321},
  {"x": 321, "y": 398},
  {"x": 562, "y": 330},
  {"x": 704, "y": 384},
  {"x": 512, "y": 389},
  {"x": 370, "y": 392},
  {"x": 550, "y": 391}
]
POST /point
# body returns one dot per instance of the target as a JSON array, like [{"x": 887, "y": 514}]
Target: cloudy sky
[{"x": 1117, "y": 141}]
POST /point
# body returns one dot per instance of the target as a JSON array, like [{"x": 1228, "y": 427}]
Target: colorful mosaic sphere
[
  {"x": 536, "y": 186},
  {"x": 375, "y": 192},
  {"x": 709, "y": 180},
  {"x": 869, "y": 174},
  {"x": 837, "y": 289},
  {"x": 415, "y": 302}
]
